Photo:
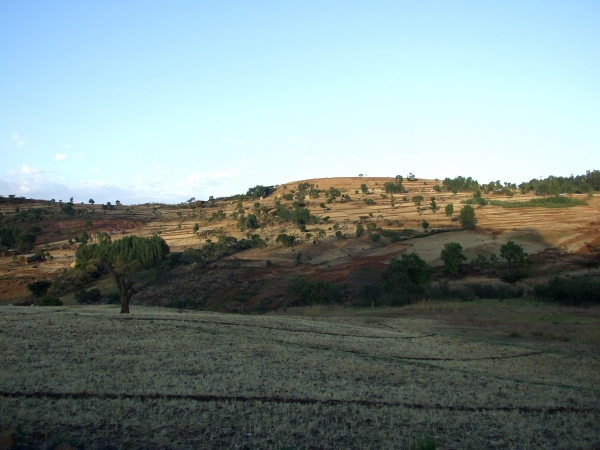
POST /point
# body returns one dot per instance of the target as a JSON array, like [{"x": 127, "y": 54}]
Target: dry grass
[{"x": 320, "y": 381}]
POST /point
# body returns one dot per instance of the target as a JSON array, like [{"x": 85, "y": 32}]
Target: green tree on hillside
[
  {"x": 417, "y": 199},
  {"x": 514, "y": 255},
  {"x": 364, "y": 188},
  {"x": 449, "y": 209},
  {"x": 467, "y": 218},
  {"x": 39, "y": 288},
  {"x": 360, "y": 230},
  {"x": 453, "y": 257},
  {"x": 25, "y": 242},
  {"x": 434, "y": 206},
  {"x": 123, "y": 258},
  {"x": 407, "y": 272}
]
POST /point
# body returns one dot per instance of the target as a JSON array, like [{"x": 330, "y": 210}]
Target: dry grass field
[{"x": 315, "y": 378}]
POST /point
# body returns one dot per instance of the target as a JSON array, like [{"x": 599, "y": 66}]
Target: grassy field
[
  {"x": 545, "y": 202},
  {"x": 309, "y": 378}
]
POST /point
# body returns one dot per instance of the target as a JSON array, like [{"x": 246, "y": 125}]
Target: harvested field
[{"x": 341, "y": 379}]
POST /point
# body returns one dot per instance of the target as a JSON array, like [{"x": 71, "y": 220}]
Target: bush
[
  {"x": 369, "y": 201},
  {"x": 87, "y": 297},
  {"x": 286, "y": 240},
  {"x": 360, "y": 230},
  {"x": 113, "y": 298},
  {"x": 50, "y": 301},
  {"x": 39, "y": 288},
  {"x": 318, "y": 292},
  {"x": 184, "y": 303},
  {"x": 569, "y": 291},
  {"x": 472, "y": 291},
  {"x": 365, "y": 286}
]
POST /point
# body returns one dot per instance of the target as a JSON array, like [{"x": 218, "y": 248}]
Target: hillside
[{"x": 554, "y": 237}]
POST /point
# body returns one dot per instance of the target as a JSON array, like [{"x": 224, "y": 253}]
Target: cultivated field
[{"x": 309, "y": 378}]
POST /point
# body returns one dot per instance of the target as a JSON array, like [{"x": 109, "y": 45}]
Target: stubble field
[{"x": 322, "y": 379}]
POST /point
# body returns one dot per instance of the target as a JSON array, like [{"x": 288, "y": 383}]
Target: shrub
[
  {"x": 113, "y": 298},
  {"x": 184, "y": 303},
  {"x": 391, "y": 188},
  {"x": 39, "y": 288},
  {"x": 375, "y": 237},
  {"x": 360, "y": 230},
  {"x": 319, "y": 292},
  {"x": 514, "y": 276},
  {"x": 569, "y": 291},
  {"x": 365, "y": 286},
  {"x": 87, "y": 297},
  {"x": 50, "y": 301},
  {"x": 286, "y": 240},
  {"x": 369, "y": 201}
]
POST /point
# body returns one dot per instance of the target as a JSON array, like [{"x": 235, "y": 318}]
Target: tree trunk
[
  {"x": 124, "y": 285},
  {"x": 124, "y": 299}
]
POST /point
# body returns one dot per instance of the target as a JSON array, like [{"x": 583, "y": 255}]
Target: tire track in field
[
  {"x": 293, "y": 330},
  {"x": 288, "y": 400},
  {"x": 419, "y": 358}
]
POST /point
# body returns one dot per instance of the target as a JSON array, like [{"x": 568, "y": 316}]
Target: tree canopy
[
  {"x": 466, "y": 217},
  {"x": 453, "y": 257},
  {"x": 124, "y": 257}
]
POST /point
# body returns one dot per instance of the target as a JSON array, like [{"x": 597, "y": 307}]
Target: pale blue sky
[{"x": 162, "y": 101}]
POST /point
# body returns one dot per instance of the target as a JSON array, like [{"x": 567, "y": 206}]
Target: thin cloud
[
  {"x": 66, "y": 146},
  {"x": 60, "y": 157},
  {"x": 39, "y": 183},
  {"x": 18, "y": 139},
  {"x": 291, "y": 138},
  {"x": 26, "y": 170}
]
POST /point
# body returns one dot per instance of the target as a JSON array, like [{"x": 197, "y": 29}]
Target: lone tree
[
  {"x": 466, "y": 217},
  {"x": 123, "y": 258},
  {"x": 516, "y": 261},
  {"x": 453, "y": 258},
  {"x": 514, "y": 255},
  {"x": 449, "y": 209},
  {"x": 91, "y": 201}
]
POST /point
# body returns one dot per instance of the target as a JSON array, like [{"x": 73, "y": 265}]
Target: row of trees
[{"x": 579, "y": 184}]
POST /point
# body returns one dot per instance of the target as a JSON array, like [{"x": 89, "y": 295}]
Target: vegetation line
[
  {"x": 288, "y": 400},
  {"x": 294, "y": 330}
]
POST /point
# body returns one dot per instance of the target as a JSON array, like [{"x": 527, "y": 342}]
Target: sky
[{"x": 147, "y": 101}]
